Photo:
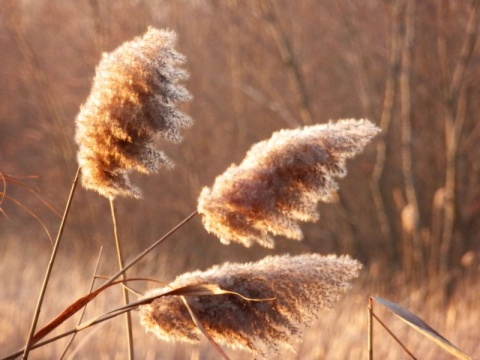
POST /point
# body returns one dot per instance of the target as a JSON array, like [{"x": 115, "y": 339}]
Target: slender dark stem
[
  {"x": 109, "y": 281},
  {"x": 50, "y": 267},
  {"x": 69, "y": 332},
  {"x": 150, "y": 248},
  {"x": 128, "y": 317},
  {"x": 200, "y": 326},
  {"x": 92, "y": 283},
  {"x": 393, "y": 336},
  {"x": 370, "y": 329}
]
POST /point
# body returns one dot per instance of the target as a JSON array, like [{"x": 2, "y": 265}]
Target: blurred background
[{"x": 409, "y": 208}]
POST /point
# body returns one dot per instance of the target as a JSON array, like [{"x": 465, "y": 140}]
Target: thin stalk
[
  {"x": 92, "y": 283},
  {"x": 200, "y": 326},
  {"x": 50, "y": 267},
  {"x": 85, "y": 340},
  {"x": 69, "y": 332},
  {"x": 109, "y": 281},
  {"x": 394, "y": 337},
  {"x": 128, "y": 316},
  {"x": 150, "y": 248},
  {"x": 370, "y": 329}
]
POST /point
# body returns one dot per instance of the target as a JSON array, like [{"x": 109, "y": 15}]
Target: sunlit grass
[{"x": 339, "y": 334}]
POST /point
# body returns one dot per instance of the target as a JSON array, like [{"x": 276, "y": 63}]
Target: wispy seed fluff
[
  {"x": 280, "y": 182},
  {"x": 301, "y": 287},
  {"x": 132, "y": 103}
]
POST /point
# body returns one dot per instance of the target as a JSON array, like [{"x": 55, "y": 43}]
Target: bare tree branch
[
  {"x": 455, "y": 105},
  {"x": 385, "y": 120},
  {"x": 289, "y": 58},
  {"x": 415, "y": 250}
]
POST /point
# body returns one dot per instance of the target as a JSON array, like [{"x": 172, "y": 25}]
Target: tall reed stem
[
  {"x": 390, "y": 332},
  {"x": 150, "y": 248},
  {"x": 50, "y": 267},
  {"x": 370, "y": 329},
  {"x": 128, "y": 316},
  {"x": 92, "y": 283},
  {"x": 109, "y": 281}
]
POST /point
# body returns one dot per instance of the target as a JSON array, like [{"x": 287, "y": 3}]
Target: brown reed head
[
  {"x": 280, "y": 182},
  {"x": 132, "y": 103},
  {"x": 301, "y": 287}
]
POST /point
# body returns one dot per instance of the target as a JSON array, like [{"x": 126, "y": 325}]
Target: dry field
[
  {"x": 409, "y": 208},
  {"x": 339, "y": 334}
]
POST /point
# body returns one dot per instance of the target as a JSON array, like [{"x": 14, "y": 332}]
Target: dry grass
[{"x": 339, "y": 334}]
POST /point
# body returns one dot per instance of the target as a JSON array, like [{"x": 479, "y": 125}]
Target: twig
[
  {"x": 92, "y": 283},
  {"x": 412, "y": 241},
  {"x": 393, "y": 336},
  {"x": 128, "y": 316},
  {"x": 188, "y": 290},
  {"x": 28, "y": 211},
  {"x": 85, "y": 340},
  {"x": 108, "y": 282},
  {"x": 370, "y": 329},
  {"x": 385, "y": 121},
  {"x": 69, "y": 332},
  {"x": 454, "y": 118},
  {"x": 204, "y": 331},
  {"x": 289, "y": 58},
  {"x": 50, "y": 267},
  {"x": 150, "y": 248}
]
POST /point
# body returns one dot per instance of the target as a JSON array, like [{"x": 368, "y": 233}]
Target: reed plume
[
  {"x": 132, "y": 103},
  {"x": 301, "y": 286},
  {"x": 280, "y": 182}
]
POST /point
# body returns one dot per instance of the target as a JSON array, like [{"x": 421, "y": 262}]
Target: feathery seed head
[
  {"x": 280, "y": 182},
  {"x": 301, "y": 287},
  {"x": 132, "y": 103}
]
